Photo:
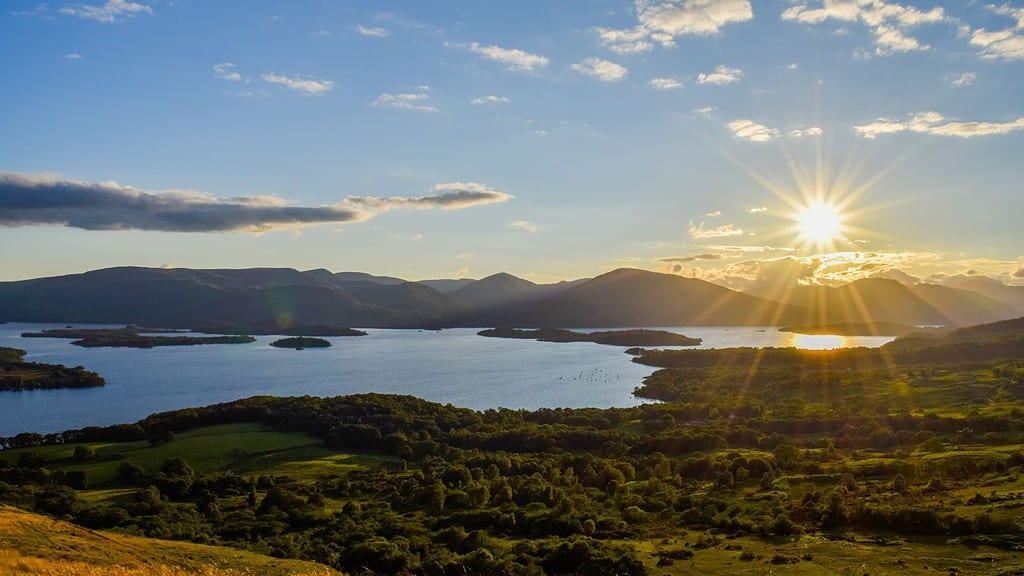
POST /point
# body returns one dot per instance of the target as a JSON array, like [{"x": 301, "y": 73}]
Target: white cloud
[
  {"x": 792, "y": 67},
  {"x": 1007, "y": 44},
  {"x": 603, "y": 70},
  {"x": 714, "y": 214},
  {"x": 661, "y": 21},
  {"x": 110, "y": 12},
  {"x": 757, "y": 210},
  {"x": 723, "y": 231},
  {"x": 73, "y": 56},
  {"x": 632, "y": 41},
  {"x": 664, "y": 83},
  {"x": 524, "y": 226},
  {"x": 226, "y": 71},
  {"x": 490, "y": 100},
  {"x": 406, "y": 101},
  {"x": 691, "y": 17},
  {"x": 705, "y": 111},
  {"x": 299, "y": 84},
  {"x": 935, "y": 123},
  {"x": 888, "y": 22},
  {"x": 752, "y": 131},
  {"x": 517, "y": 60},
  {"x": 375, "y": 31},
  {"x": 806, "y": 132},
  {"x": 722, "y": 75},
  {"x": 962, "y": 80}
]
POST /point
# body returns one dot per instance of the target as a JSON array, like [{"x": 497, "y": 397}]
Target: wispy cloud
[
  {"x": 517, "y": 60},
  {"x": 373, "y": 31},
  {"x": 757, "y": 210},
  {"x": 694, "y": 258},
  {"x": 715, "y": 214},
  {"x": 630, "y": 41},
  {"x": 226, "y": 71},
  {"x": 699, "y": 232},
  {"x": 417, "y": 101},
  {"x": 806, "y": 132},
  {"x": 108, "y": 13},
  {"x": 664, "y": 83},
  {"x": 752, "y": 131},
  {"x": 603, "y": 70},
  {"x": 935, "y": 123},
  {"x": 307, "y": 86},
  {"x": 73, "y": 56},
  {"x": 962, "y": 80},
  {"x": 705, "y": 111},
  {"x": 524, "y": 226},
  {"x": 722, "y": 75},
  {"x": 34, "y": 200},
  {"x": 889, "y": 22},
  {"x": 490, "y": 100},
  {"x": 1008, "y": 43}
]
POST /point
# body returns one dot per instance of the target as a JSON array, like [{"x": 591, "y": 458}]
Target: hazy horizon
[{"x": 741, "y": 143}]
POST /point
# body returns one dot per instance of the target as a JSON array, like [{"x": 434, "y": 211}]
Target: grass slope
[{"x": 37, "y": 545}]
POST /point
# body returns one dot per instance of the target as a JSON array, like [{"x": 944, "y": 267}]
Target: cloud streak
[
  {"x": 752, "y": 131},
  {"x": 603, "y": 70},
  {"x": 934, "y": 123},
  {"x": 299, "y": 84},
  {"x": 516, "y": 60},
  {"x": 416, "y": 101},
  {"x": 722, "y": 75},
  {"x": 723, "y": 231},
  {"x": 694, "y": 258},
  {"x": 44, "y": 200},
  {"x": 110, "y": 12}
]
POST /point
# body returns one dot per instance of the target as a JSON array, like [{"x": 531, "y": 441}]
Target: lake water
[{"x": 451, "y": 366}]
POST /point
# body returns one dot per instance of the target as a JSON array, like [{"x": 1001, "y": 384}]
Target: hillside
[
  {"x": 629, "y": 297},
  {"x": 878, "y": 299},
  {"x": 272, "y": 299},
  {"x": 37, "y": 545}
]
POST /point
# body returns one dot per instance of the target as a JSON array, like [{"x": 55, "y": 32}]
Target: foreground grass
[{"x": 34, "y": 544}]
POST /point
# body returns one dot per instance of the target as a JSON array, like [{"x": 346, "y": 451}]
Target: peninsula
[
  {"x": 612, "y": 337},
  {"x": 16, "y": 374},
  {"x": 130, "y": 337}
]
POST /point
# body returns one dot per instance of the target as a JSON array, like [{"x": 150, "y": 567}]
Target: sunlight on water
[{"x": 818, "y": 341}]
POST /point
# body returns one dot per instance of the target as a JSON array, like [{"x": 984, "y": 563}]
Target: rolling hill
[
  {"x": 279, "y": 297},
  {"x": 883, "y": 300},
  {"x": 37, "y": 545}
]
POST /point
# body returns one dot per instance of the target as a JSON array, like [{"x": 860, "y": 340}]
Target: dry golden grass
[{"x": 37, "y": 545}]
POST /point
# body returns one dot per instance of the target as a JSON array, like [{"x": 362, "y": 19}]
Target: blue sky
[{"x": 552, "y": 140}]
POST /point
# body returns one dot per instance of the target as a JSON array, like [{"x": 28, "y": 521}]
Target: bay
[{"x": 451, "y": 366}]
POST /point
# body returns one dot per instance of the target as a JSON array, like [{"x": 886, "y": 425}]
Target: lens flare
[{"x": 820, "y": 224}]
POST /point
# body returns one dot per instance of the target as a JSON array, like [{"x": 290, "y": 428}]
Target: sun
[{"x": 819, "y": 223}]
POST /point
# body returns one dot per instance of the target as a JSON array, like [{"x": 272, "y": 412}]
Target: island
[
  {"x": 131, "y": 337},
  {"x": 16, "y": 374},
  {"x": 271, "y": 328},
  {"x": 301, "y": 343},
  {"x": 638, "y": 337},
  {"x": 852, "y": 329}
]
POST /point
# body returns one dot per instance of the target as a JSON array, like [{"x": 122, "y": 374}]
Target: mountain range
[{"x": 193, "y": 298}]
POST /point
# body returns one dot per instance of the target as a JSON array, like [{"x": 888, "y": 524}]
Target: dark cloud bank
[{"x": 27, "y": 200}]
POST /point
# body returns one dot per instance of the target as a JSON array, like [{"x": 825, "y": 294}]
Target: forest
[{"x": 743, "y": 458}]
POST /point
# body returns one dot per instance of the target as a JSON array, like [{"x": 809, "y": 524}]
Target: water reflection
[{"x": 818, "y": 341}]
